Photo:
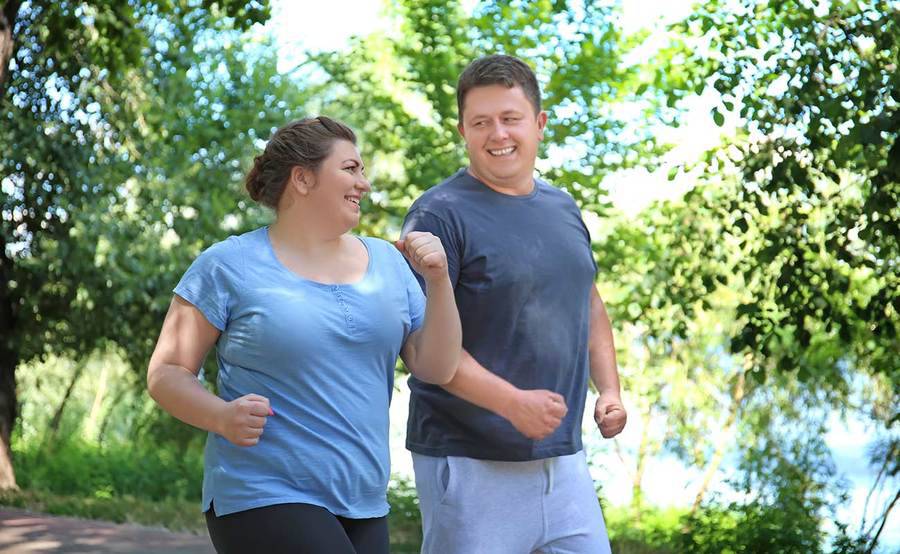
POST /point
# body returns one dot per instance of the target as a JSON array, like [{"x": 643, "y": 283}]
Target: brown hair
[
  {"x": 304, "y": 143},
  {"x": 498, "y": 69}
]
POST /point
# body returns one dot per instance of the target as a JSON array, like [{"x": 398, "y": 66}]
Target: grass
[
  {"x": 175, "y": 515},
  {"x": 179, "y": 515},
  {"x": 185, "y": 516},
  {"x": 159, "y": 487}
]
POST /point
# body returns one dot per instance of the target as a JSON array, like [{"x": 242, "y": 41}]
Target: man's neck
[{"x": 522, "y": 187}]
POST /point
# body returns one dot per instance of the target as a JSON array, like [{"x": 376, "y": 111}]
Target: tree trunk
[
  {"x": 111, "y": 412},
  {"x": 737, "y": 396},
  {"x": 92, "y": 425},
  {"x": 637, "y": 492},
  {"x": 8, "y": 360},
  {"x": 7, "y": 22},
  {"x": 57, "y": 415}
]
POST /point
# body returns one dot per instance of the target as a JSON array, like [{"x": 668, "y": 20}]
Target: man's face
[{"x": 502, "y": 133}]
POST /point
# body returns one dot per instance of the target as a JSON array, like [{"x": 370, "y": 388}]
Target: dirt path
[{"x": 25, "y": 532}]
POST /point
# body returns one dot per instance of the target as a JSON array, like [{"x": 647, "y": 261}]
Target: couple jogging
[{"x": 488, "y": 297}]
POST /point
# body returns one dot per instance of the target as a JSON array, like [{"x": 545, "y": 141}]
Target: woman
[{"x": 308, "y": 322}]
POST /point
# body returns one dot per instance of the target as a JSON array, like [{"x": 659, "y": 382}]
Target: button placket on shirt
[{"x": 339, "y": 294}]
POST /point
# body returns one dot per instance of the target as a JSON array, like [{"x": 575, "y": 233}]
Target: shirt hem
[
  {"x": 229, "y": 508},
  {"x": 479, "y": 452}
]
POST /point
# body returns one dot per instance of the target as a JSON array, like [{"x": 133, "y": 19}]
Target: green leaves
[
  {"x": 821, "y": 187},
  {"x": 400, "y": 92},
  {"x": 718, "y": 118},
  {"x": 113, "y": 135}
]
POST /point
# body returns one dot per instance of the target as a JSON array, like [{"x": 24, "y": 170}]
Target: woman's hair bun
[{"x": 253, "y": 183}]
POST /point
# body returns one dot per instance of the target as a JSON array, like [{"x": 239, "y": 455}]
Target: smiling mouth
[
  {"x": 498, "y": 153},
  {"x": 352, "y": 200}
]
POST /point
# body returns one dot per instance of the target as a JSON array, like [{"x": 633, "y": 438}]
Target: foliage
[
  {"x": 787, "y": 493},
  {"x": 816, "y": 220},
  {"x": 655, "y": 532},
  {"x": 405, "y": 520},
  {"x": 671, "y": 333},
  {"x": 399, "y": 90},
  {"x": 776, "y": 276},
  {"x": 148, "y": 485},
  {"x": 98, "y": 173},
  {"x": 79, "y": 468},
  {"x": 121, "y": 161},
  {"x": 757, "y": 527},
  {"x": 176, "y": 515},
  {"x": 677, "y": 300}
]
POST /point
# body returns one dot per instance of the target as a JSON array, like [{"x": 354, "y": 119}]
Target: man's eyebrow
[{"x": 504, "y": 112}]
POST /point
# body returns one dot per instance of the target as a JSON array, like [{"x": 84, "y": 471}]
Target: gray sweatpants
[{"x": 474, "y": 506}]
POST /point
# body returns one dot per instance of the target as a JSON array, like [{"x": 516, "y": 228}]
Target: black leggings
[{"x": 298, "y": 529}]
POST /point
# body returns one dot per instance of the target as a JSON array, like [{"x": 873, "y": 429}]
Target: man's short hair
[{"x": 498, "y": 69}]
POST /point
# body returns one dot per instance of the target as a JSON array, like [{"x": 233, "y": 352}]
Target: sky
[{"x": 328, "y": 27}]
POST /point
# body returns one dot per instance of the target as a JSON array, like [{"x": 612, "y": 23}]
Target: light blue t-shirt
[{"x": 323, "y": 355}]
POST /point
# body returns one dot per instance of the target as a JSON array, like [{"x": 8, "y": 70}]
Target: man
[{"x": 497, "y": 452}]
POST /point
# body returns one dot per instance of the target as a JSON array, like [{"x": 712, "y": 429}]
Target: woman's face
[{"x": 340, "y": 184}]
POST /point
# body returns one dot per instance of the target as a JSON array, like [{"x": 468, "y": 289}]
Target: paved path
[{"x": 24, "y": 532}]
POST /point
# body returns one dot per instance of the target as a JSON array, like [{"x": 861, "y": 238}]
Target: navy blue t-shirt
[{"x": 522, "y": 272}]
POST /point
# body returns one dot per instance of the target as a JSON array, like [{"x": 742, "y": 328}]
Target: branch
[
  {"x": 7, "y": 25},
  {"x": 862, "y": 524},
  {"x": 884, "y": 518}
]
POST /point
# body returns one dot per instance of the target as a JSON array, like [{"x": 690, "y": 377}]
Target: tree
[
  {"x": 8, "y": 16},
  {"x": 674, "y": 324},
  {"x": 687, "y": 388},
  {"x": 399, "y": 90},
  {"x": 818, "y": 93},
  {"x": 85, "y": 135},
  {"x": 818, "y": 218},
  {"x": 755, "y": 245},
  {"x": 785, "y": 480}
]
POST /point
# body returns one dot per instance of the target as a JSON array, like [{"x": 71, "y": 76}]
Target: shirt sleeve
[
  {"x": 415, "y": 297},
  {"x": 590, "y": 243},
  {"x": 424, "y": 220},
  {"x": 208, "y": 282}
]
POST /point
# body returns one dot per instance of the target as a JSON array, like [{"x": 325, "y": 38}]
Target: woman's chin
[{"x": 351, "y": 224}]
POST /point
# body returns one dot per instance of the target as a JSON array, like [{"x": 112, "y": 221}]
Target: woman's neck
[
  {"x": 325, "y": 259},
  {"x": 302, "y": 239}
]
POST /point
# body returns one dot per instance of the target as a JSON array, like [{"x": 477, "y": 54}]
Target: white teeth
[
  {"x": 354, "y": 200},
  {"x": 503, "y": 151}
]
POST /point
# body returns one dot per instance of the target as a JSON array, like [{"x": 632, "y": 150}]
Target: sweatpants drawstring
[{"x": 548, "y": 465}]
